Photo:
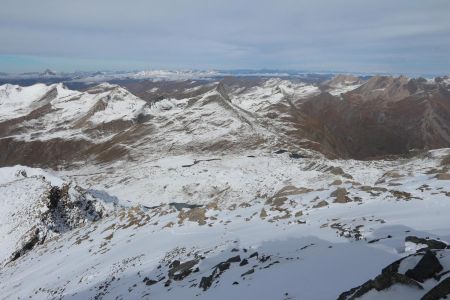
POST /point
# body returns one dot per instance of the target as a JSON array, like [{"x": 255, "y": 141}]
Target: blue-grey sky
[{"x": 398, "y": 36}]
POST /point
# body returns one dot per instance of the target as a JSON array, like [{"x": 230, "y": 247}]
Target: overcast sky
[{"x": 398, "y": 36}]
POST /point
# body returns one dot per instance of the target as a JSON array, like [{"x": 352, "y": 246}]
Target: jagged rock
[
  {"x": 148, "y": 281},
  {"x": 243, "y": 262},
  {"x": 223, "y": 266},
  {"x": 296, "y": 155},
  {"x": 54, "y": 196},
  {"x": 432, "y": 244},
  {"x": 264, "y": 258},
  {"x": 206, "y": 282},
  {"x": 234, "y": 259},
  {"x": 426, "y": 268},
  {"x": 388, "y": 277},
  {"x": 440, "y": 291},
  {"x": 29, "y": 240},
  {"x": 181, "y": 270},
  {"x": 174, "y": 264},
  {"x": 281, "y": 151}
]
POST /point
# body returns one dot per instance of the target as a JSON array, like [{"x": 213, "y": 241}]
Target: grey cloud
[{"x": 396, "y": 36}]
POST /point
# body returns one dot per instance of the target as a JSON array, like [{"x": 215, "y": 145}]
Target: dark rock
[
  {"x": 206, "y": 282},
  {"x": 432, "y": 244},
  {"x": 54, "y": 197},
  {"x": 264, "y": 258},
  {"x": 235, "y": 283},
  {"x": 281, "y": 151},
  {"x": 180, "y": 271},
  {"x": 426, "y": 268},
  {"x": 440, "y": 291},
  {"x": 296, "y": 155},
  {"x": 149, "y": 281},
  {"x": 251, "y": 271},
  {"x": 254, "y": 254},
  {"x": 174, "y": 264},
  {"x": 234, "y": 259},
  {"x": 388, "y": 277},
  {"x": 243, "y": 262},
  {"x": 440, "y": 275},
  {"x": 223, "y": 266},
  {"x": 31, "y": 238}
]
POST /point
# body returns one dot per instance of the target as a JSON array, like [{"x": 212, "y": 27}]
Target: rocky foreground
[{"x": 279, "y": 227}]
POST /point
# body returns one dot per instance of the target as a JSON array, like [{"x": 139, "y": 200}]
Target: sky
[{"x": 382, "y": 36}]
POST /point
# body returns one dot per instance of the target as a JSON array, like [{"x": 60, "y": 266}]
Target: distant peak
[{"x": 48, "y": 72}]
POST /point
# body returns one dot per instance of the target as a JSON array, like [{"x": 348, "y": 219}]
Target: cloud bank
[{"x": 402, "y": 36}]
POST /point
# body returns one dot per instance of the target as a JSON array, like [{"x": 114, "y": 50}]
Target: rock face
[
  {"x": 384, "y": 116},
  {"x": 440, "y": 291},
  {"x": 425, "y": 269},
  {"x": 430, "y": 243},
  {"x": 50, "y": 212}
]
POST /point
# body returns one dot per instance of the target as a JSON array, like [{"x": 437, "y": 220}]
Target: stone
[
  {"x": 340, "y": 195},
  {"x": 234, "y": 259},
  {"x": 426, "y": 268}
]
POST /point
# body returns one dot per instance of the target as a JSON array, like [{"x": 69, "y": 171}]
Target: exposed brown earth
[{"x": 365, "y": 125}]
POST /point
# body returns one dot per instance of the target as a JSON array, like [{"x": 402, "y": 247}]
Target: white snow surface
[
  {"x": 16, "y": 101},
  {"x": 313, "y": 255},
  {"x": 271, "y": 92}
]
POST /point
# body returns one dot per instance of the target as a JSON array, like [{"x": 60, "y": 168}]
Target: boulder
[
  {"x": 426, "y": 268},
  {"x": 340, "y": 195}
]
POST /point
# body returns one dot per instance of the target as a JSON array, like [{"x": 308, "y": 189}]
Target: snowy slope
[
  {"x": 271, "y": 92},
  {"x": 16, "y": 101},
  {"x": 69, "y": 114},
  {"x": 306, "y": 248}
]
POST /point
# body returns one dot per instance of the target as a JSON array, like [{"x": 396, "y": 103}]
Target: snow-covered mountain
[{"x": 226, "y": 187}]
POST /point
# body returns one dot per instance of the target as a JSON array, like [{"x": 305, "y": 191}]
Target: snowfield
[{"x": 191, "y": 231}]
